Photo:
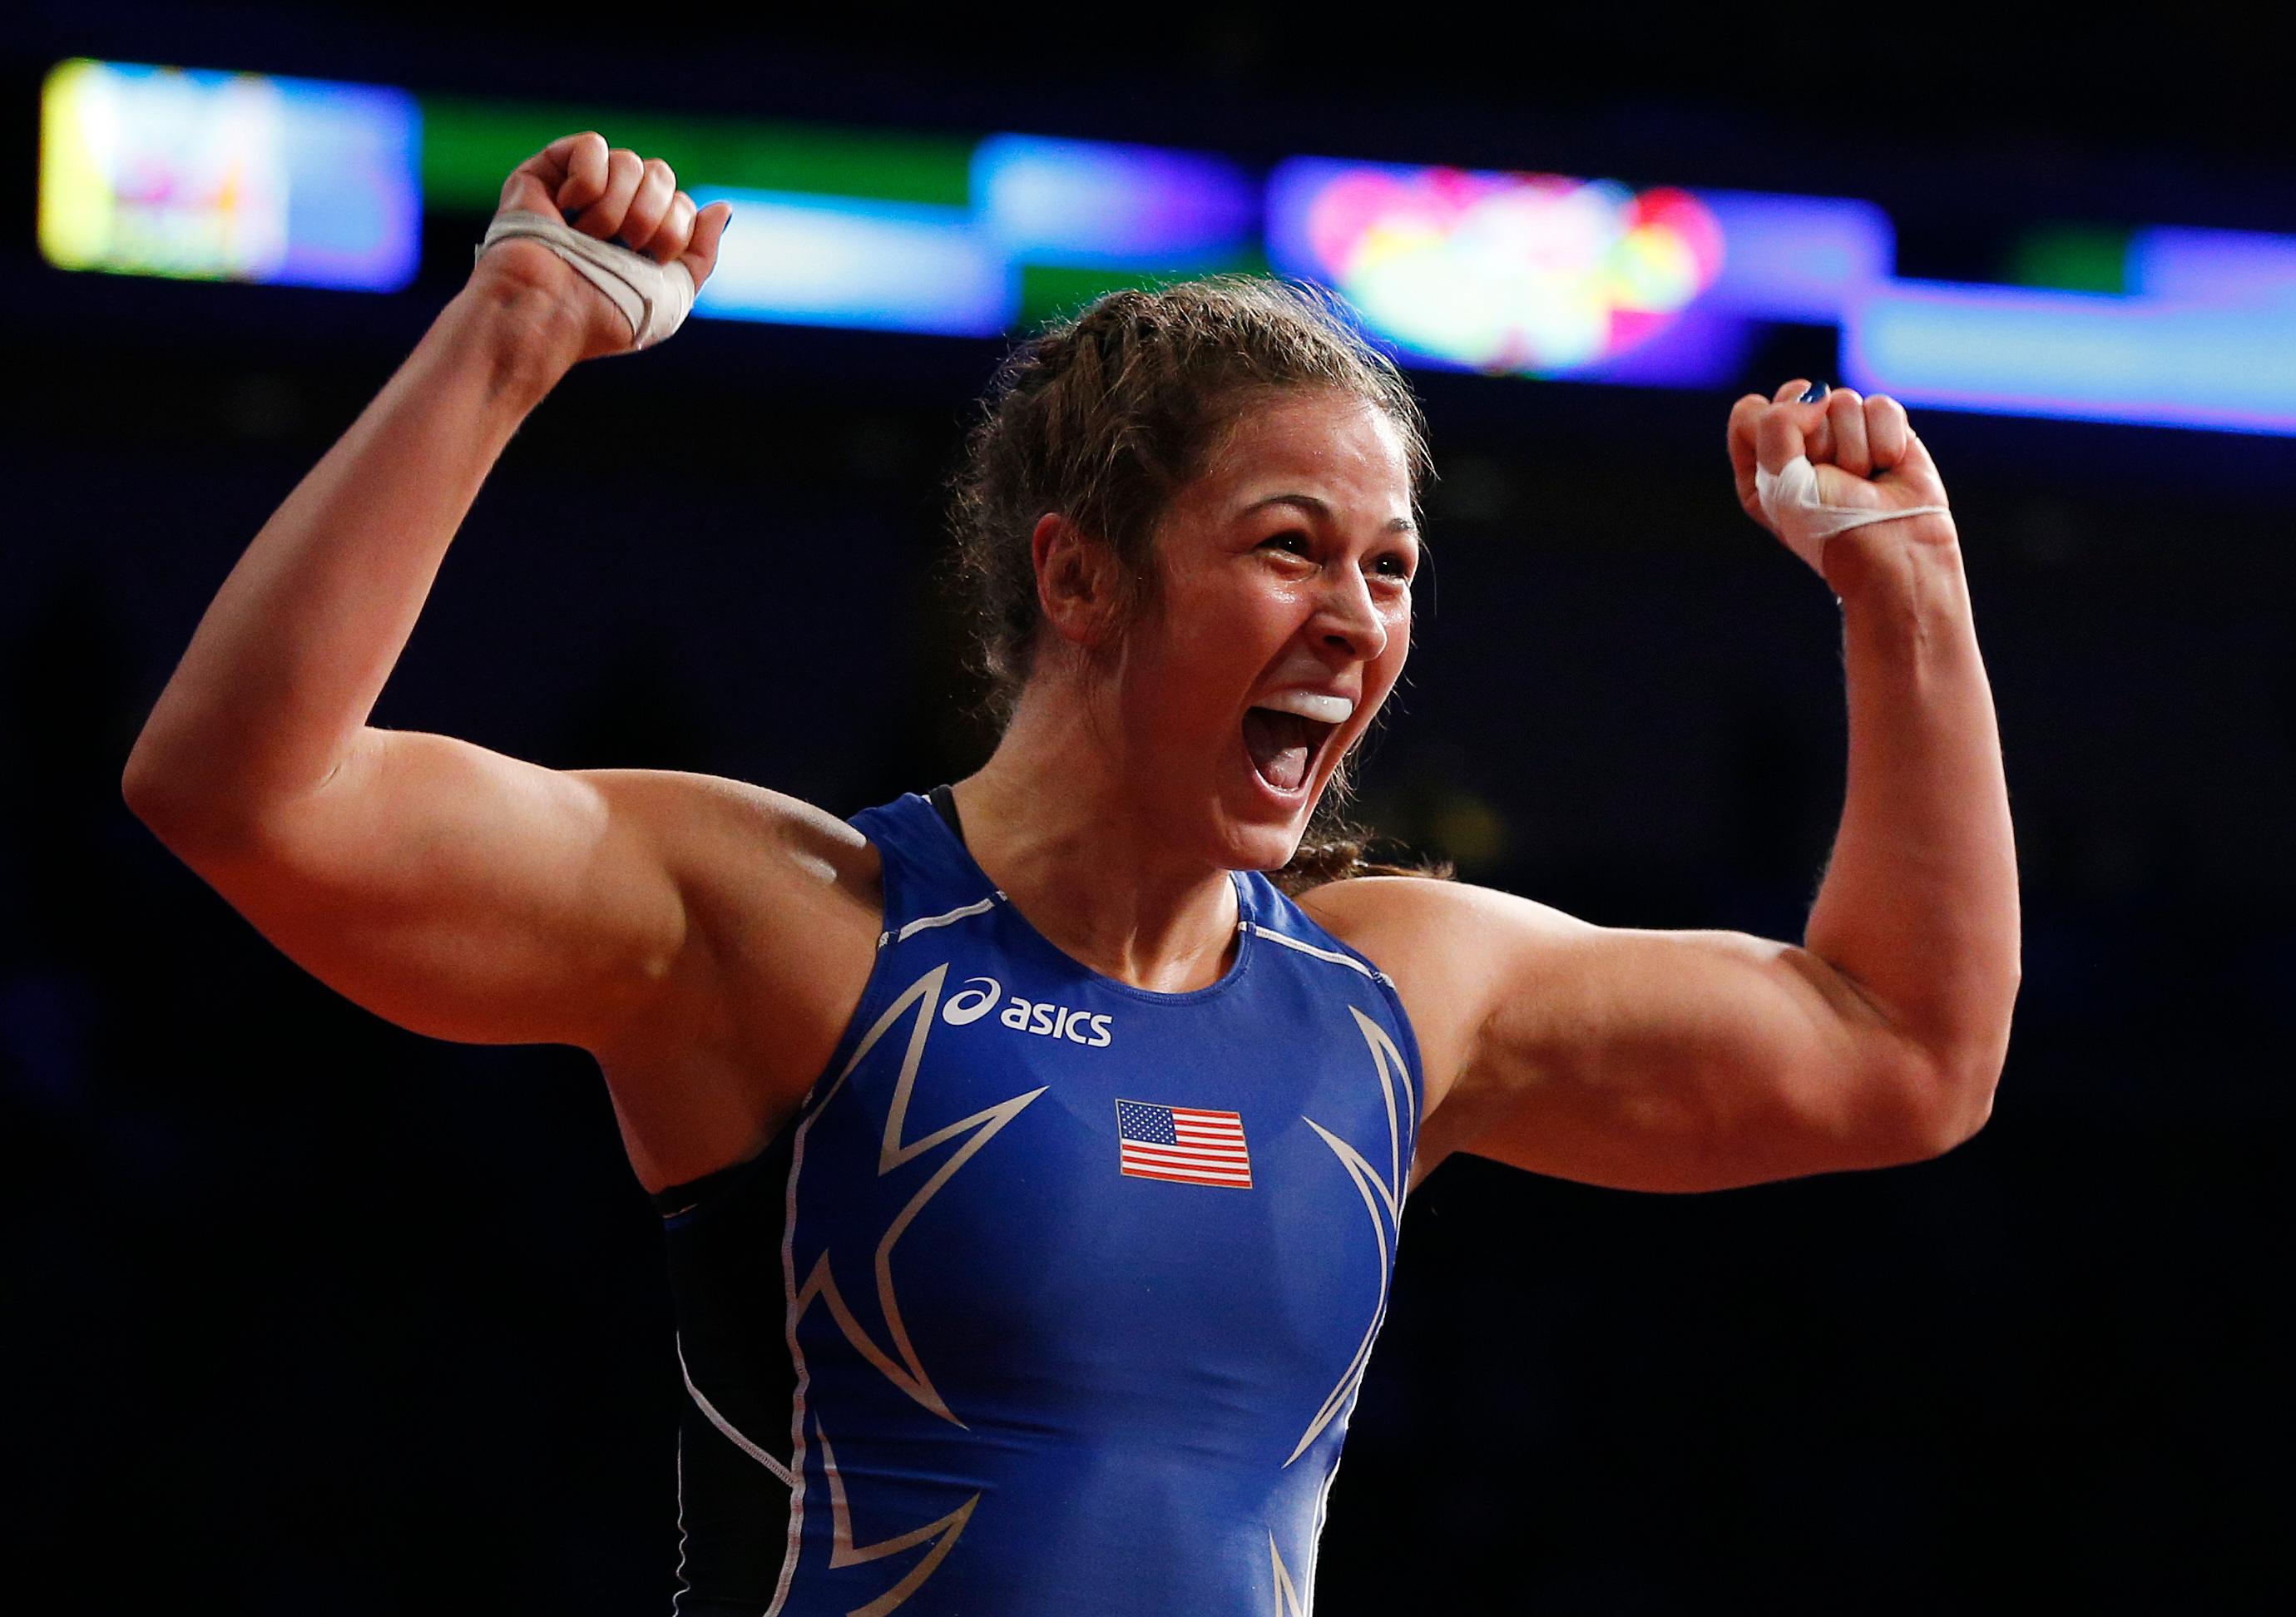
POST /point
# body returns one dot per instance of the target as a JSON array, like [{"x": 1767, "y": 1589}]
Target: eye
[{"x": 1292, "y": 540}]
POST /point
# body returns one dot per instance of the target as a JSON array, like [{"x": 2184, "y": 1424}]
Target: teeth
[{"x": 1309, "y": 704}]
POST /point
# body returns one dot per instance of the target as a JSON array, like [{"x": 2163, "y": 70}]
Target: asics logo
[
  {"x": 970, "y": 1004},
  {"x": 1093, "y": 1029}
]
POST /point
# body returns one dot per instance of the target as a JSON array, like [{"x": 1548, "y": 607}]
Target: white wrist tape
[
  {"x": 1789, "y": 499},
  {"x": 653, "y": 297}
]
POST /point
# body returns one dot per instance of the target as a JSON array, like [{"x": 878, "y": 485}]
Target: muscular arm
[
  {"x": 1919, "y": 908},
  {"x": 273, "y": 695},
  {"x": 1699, "y": 1060},
  {"x": 1631, "y": 1057},
  {"x": 455, "y": 891}
]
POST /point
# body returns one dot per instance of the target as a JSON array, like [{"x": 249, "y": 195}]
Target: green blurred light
[
  {"x": 2071, "y": 257},
  {"x": 470, "y": 146},
  {"x": 1050, "y": 291}
]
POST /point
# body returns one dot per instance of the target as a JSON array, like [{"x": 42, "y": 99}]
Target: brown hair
[{"x": 1104, "y": 417}]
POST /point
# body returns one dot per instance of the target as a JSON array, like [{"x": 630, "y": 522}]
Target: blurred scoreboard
[
  {"x": 160, "y": 171},
  {"x": 219, "y": 176}
]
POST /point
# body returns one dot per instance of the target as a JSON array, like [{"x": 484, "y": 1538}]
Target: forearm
[
  {"x": 284, "y": 668},
  {"x": 1919, "y": 905}
]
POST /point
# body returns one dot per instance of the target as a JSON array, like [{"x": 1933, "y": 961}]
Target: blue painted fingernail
[{"x": 1818, "y": 391}]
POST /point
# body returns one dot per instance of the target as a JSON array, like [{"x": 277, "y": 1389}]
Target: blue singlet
[{"x": 1054, "y": 1294}]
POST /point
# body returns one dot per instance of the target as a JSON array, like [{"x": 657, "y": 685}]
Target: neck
[{"x": 1054, "y": 822}]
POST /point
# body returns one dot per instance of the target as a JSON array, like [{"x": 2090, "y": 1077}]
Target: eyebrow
[{"x": 1319, "y": 508}]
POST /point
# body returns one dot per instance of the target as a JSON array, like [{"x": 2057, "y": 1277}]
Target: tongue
[{"x": 1279, "y": 744}]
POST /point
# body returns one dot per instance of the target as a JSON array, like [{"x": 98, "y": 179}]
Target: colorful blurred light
[
  {"x": 1497, "y": 272},
  {"x": 2218, "y": 266},
  {"x": 1796, "y": 258},
  {"x": 852, "y": 261},
  {"x": 2087, "y": 356},
  {"x": 187, "y": 173},
  {"x": 168, "y": 171},
  {"x": 1090, "y": 203},
  {"x": 813, "y": 261}
]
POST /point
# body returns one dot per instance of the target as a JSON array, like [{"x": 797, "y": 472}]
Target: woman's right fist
[{"x": 614, "y": 195}]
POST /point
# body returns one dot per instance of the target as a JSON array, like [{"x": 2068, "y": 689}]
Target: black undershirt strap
[{"x": 944, "y": 802}]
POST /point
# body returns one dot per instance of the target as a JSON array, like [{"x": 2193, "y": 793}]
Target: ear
[{"x": 1077, "y": 580}]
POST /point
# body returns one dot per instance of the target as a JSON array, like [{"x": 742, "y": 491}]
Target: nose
[{"x": 1350, "y": 621}]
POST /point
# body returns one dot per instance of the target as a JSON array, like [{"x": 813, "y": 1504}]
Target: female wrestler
[{"x": 1031, "y": 1162}]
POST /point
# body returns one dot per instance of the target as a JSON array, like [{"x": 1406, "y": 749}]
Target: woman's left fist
[{"x": 1809, "y": 468}]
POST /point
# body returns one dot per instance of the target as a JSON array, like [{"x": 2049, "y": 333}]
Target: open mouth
[{"x": 1284, "y": 746}]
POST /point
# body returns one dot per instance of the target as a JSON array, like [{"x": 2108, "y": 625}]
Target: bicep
[
  {"x": 1633, "y": 1057},
  {"x": 1658, "y": 1060},
  {"x": 464, "y": 894}
]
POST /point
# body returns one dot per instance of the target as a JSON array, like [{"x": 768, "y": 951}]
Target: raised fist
[
  {"x": 617, "y": 197},
  {"x": 1809, "y": 469}
]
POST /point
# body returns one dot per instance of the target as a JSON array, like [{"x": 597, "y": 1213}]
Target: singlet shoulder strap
[
  {"x": 930, "y": 880},
  {"x": 1275, "y": 919},
  {"x": 944, "y": 801},
  {"x": 1273, "y": 916}
]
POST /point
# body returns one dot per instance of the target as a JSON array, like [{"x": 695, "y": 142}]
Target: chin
[
  {"x": 1267, "y": 833},
  {"x": 1263, "y": 851}
]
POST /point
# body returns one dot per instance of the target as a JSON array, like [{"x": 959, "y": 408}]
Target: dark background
[{"x": 311, "y": 1313}]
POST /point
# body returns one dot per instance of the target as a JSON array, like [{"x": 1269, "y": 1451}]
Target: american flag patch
[{"x": 1183, "y": 1143}]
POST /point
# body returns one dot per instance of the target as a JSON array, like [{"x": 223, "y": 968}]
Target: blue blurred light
[
  {"x": 2079, "y": 355},
  {"x": 2223, "y": 266},
  {"x": 1090, "y": 203},
  {"x": 1293, "y": 187},
  {"x": 814, "y": 260},
  {"x": 1702, "y": 348},
  {"x": 240, "y": 176},
  {"x": 1796, "y": 258},
  {"x": 354, "y": 206}
]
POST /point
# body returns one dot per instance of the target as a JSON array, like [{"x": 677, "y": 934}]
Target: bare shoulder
[
  {"x": 1450, "y": 947},
  {"x": 709, "y": 828},
  {"x": 755, "y": 868},
  {"x": 784, "y": 902},
  {"x": 1425, "y": 912}
]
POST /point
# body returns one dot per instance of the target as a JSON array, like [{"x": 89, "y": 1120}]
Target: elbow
[
  {"x": 143, "y": 789},
  {"x": 192, "y": 792},
  {"x": 1955, "y": 1101},
  {"x": 182, "y": 819},
  {"x": 152, "y": 781},
  {"x": 1946, "y": 1085},
  {"x": 155, "y": 795},
  {"x": 1961, "y": 1122}
]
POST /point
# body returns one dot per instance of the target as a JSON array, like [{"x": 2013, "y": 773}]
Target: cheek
[
  {"x": 1398, "y": 635},
  {"x": 1227, "y": 635}
]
